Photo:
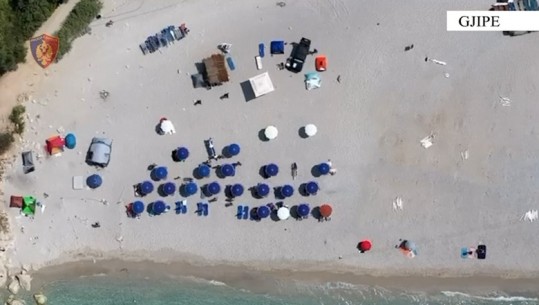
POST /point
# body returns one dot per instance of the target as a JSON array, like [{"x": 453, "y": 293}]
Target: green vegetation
[
  {"x": 19, "y": 19},
  {"x": 17, "y": 118},
  {"x": 6, "y": 140},
  {"x": 76, "y": 23}
]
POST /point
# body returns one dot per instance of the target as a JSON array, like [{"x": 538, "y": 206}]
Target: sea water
[{"x": 104, "y": 290}]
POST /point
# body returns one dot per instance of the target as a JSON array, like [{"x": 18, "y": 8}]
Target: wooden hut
[{"x": 216, "y": 72}]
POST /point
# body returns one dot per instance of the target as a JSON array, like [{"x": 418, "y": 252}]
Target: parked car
[
  {"x": 99, "y": 152},
  {"x": 297, "y": 58}
]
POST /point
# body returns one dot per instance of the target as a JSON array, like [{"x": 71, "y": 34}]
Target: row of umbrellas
[
  {"x": 271, "y": 132},
  {"x": 182, "y": 153}
]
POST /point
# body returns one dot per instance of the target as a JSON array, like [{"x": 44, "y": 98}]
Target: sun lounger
[
  {"x": 481, "y": 252},
  {"x": 261, "y": 48},
  {"x": 210, "y": 148},
  {"x": 143, "y": 48},
  {"x": 78, "y": 182},
  {"x": 245, "y": 212},
  {"x": 206, "y": 209},
  {"x": 200, "y": 209},
  {"x": 239, "y": 214},
  {"x": 231, "y": 63}
]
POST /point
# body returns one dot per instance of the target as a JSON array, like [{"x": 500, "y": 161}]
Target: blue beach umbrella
[
  {"x": 160, "y": 173},
  {"x": 228, "y": 170},
  {"x": 233, "y": 149},
  {"x": 323, "y": 168},
  {"x": 311, "y": 187},
  {"x": 236, "y": 190},
  {"x": 262, "y": 189},
  {"x": 158, "y": 207},
  {"x": 146, "y": 187},
  {"x": 70, "y": 141},
  {"x": 303, "y": 210},
  {"x": 182, "y": 153},
  {"x": 271, "y": 170},
  {"x": 137, "y": 207},
  {"x": 191, "y": 188},
  {"x": 94, "y": 181},
  {"x": 213, "y": 188},
  {"x": 169, "y": 188},
  {"x": 203, "y": 170},
  {"x": 287, "y": 190},
  {"x": 263, "y": 211}
]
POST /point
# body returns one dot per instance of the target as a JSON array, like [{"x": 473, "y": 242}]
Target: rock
[
  {"x": 14, "y": 286},
  {"x": 25, "y": 281},
  {"x": 25, "y": 268},
  {"x": 40, "y": 298}
]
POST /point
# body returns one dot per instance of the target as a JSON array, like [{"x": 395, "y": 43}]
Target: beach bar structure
[
  {"x": 216, "y": 72},
  {"x": 261, "y": 84}
]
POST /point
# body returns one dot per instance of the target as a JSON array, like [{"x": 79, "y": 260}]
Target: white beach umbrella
[
  {"x": 271, "y": 132},
  {"x": 283, "y": 213},
  {"x": 310, "y": 130},
  {"x": 167, "y": 127}
]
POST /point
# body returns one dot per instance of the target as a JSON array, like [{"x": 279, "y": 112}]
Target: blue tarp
[
  {"x": 323, "y": 168},
  {"x": 311, "y": 187},
  {"x": 182, "y": 153},
  {"x": 262, "y": 189},
  {"x": 303, "y": 210},
  {"x": 236, "y": 190},
  {"x": 137, "y": 207},
  {"x": 70, "y": 141},
  {"x": 146, "y": 187},
  {"x": 287, "y": 190},
  {"x": 263, "y": 211},
  {"x": 277, "y": 47},
  {"x": 271, "y": 170},
  {"x": 94, "y": 181}
]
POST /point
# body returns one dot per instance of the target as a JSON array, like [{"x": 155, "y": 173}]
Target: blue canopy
[
  {"x": 169, "y": 188},
  {"x": 287, "y": 190},
  {"x": 271, "y": 170},
  {"x": 323, "y": 168},
  {"x": 277, "y": 47},
  {"x": 160, "y": 173},
  {"x": 137, "y": 207},
  {"x": 262, "y": 189},
  {"x": 233, "y": 149},
  {"x": 191, "y": 188},
  {"x": 263, "y": 211},
  {"x": 214, "y": 188},
  {"x": 70, "y": 141},
  {"x": 303, "y": 210},
  {"x": 94, "y": 181},
  {"x": 228, "y": 170},
  {"x": 236, "y": 190},
  {"x": 146, "y": 187},
  {"x": 182, "y": 153},
  {"x": 203, "y": 170},
  {"x": 311, "y": 187},
  {"x": 158, "y": 207}
]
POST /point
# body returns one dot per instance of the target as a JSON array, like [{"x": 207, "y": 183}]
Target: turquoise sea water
[{"x": 102, "y": 290}]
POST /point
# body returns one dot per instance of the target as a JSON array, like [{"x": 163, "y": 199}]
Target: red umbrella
[
  {"x": 364, "y": 245},
  {"x": 325, "y": 210}
]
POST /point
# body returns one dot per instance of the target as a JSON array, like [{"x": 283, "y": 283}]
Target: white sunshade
[
  {"x": 261, "y": 84},
  {"x": 167, "y": 127},
  {"x": 283, "y": 213},
  {"x": 271, "y": 132},
  {"x": 310, "y": 130}
]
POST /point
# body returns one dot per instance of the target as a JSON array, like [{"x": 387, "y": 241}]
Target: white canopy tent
[{"x": 261, "y": 84}]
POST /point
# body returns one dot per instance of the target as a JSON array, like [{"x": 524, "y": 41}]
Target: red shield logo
[{"x": 44, "y": 49}]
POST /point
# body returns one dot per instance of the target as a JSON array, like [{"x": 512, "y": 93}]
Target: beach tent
[
  {"x": 16, "y": 202},
  {"x": 312, "y": 81},
  {"x": 55, "y": 145},
  {"x": 261, "y": 84},
  {"x": 29, "y": 205},
  {"x": 283, "y": 213},
  {"x": 277, "y": 47},
  {"x": 70, "y": 141},
  {"x": 216, "y": 72},
  {"x": 271, "y": 132}
]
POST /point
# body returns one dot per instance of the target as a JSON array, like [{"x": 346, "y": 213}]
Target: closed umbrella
[
  {"x": 303, "y": 210},
  {"x": 228, "y": 170},
  {"x": 182, "y": 153},
  {"x": 262, "y": 189},
  {"x": 271, "y": 132},
  {"x": 271, "y": 170},
  {"x": 158, "y": 207},
  {"x": 324, "y": 168},
  {"x": 190, "y": 188},
  {"x": 146, "y": 187},
  {"x": 137, "y": 207},
  {"x": 70, "y": 141},
  {"x": 263, "y": 211},
  {"x": 203, "y": 170},
  {"x": 169, "y": 188},
  {"x": 310, "y": 130},
  {"x": 236, "y": 190},
  {"x": 94, "y": 181},
  {"x": 287, "y": 190},
  {"x": 283, "y": 213},
  {"x": 326, "y": 210},
  {"x": 160, "y": 173},
  {"x": 214, "y": 188},
  {"x": 233, "y": 149},
  {"x": 311, "y": 188}
]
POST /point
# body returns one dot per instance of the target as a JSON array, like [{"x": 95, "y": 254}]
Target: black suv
[{"x": 297, "y": 58}]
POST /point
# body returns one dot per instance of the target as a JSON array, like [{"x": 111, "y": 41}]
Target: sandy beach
[{"x": 472, "y": 186}]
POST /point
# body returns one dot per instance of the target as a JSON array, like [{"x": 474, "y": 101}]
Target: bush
[
  {"x": 76, "y": 23},
  {"x": 17, "y": 119},
  {"x": 6, "y": 140}
]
